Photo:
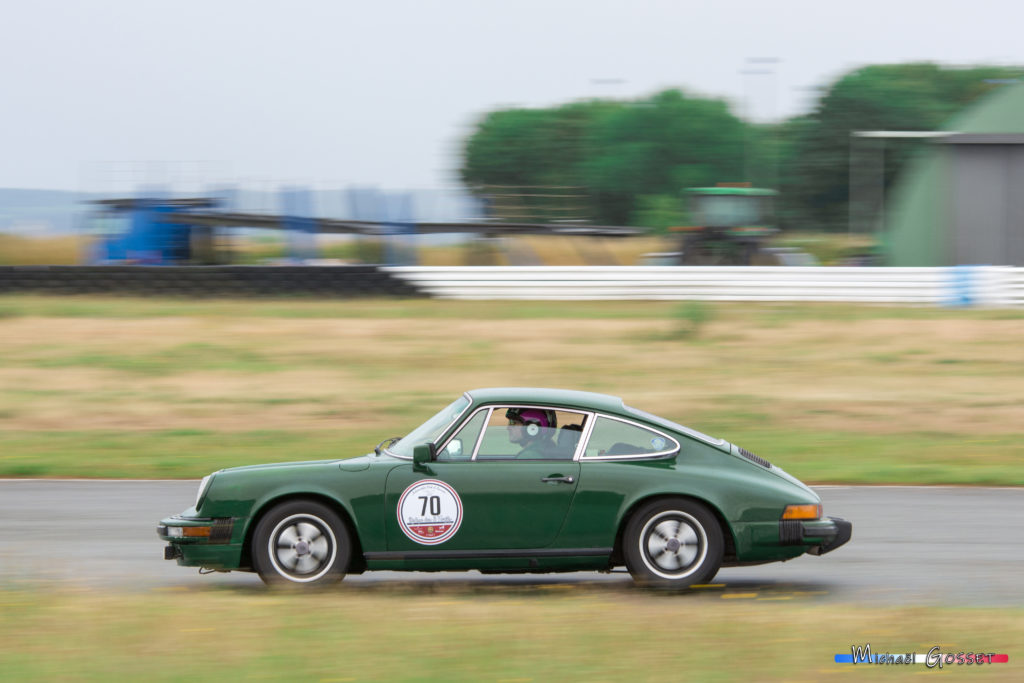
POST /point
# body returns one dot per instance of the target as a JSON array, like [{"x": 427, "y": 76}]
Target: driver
[{"x": 531, "y": 429}]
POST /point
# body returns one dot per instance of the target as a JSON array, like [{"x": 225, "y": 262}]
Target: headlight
[
  {"x": 189, "y": 531},
  {"x": 203, "y": 485}
]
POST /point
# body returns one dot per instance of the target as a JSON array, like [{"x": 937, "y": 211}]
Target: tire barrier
[{"x": 206, "y": 281}]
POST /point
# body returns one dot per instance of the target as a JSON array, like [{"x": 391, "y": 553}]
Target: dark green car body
[{"x": 497, "y": 512}]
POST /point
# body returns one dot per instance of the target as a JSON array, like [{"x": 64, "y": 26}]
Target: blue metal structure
[
  {"x": 151, "y": 238},
  {"x": 180, "y": 231}
]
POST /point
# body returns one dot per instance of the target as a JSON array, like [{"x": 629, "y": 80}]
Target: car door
[
  {"x": 620, "y": 461},
  {"x": 479, "y": 496}
]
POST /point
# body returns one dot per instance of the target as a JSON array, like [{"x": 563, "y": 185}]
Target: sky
[{"x": 108, "y": 94}]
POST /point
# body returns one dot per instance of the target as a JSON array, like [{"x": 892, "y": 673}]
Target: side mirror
[{"x": 423, "y": 454}]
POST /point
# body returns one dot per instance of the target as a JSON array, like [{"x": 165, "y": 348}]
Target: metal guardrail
[
  {"x": 1014, "y": 287},
  {"x": 999, "y": 286}
]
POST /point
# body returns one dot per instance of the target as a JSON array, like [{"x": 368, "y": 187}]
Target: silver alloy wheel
[
  {"x": 673, "y": 544},
  {"x": 302, "y": 548}
]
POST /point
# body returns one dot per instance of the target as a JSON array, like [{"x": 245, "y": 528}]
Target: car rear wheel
[
  {"x": 673, "y": 544},
  {"x": 301, "y": 543}
]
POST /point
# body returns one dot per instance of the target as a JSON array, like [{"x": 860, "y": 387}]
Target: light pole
[{"x": 758, "y": 66}]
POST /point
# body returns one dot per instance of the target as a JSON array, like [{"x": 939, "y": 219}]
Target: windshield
[
  {"x": 728, "y": 210},
  {"x": 429, "y": 431}
]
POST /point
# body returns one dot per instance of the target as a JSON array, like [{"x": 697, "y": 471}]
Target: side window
[
  {"x": 547, "y": 435},
  {"x": 567, "y": 437},
  {"x": 612, "y": 437},
  {"x": 462, "y": 444},
  {"x": 504, "y": 441}
]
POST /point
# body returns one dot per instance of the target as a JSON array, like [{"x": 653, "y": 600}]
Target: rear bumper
[{"x": 820, "y": 536}]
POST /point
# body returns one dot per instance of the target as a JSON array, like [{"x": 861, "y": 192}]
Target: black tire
[
  {"x": 672, "y": 543},
  {"x": 301, "y": 543}
]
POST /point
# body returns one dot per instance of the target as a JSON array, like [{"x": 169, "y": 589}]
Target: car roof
[
  {"x": 586, "y": 400},
  {"x": 554, "y": 397},
  {"x": 733, "y": 191}
]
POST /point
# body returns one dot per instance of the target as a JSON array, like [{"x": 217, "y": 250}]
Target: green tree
[
  {"x": 529, "y": 148},
  {"x": 634, "y": 158},
  {"x": 659, "y": 146},
  {"x": 618, "y": 151}
]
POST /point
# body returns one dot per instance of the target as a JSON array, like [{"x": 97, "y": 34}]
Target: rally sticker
[{"x": 429, "y": 512}]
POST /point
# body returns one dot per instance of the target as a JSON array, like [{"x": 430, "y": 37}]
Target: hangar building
[{"x": 962, "y": 201}]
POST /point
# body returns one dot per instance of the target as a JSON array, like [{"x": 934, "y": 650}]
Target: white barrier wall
[
  {"x": 999, "y": 286},
  {"x": 1014, "y": 287}
]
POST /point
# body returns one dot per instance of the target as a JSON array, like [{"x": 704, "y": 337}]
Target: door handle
[{"x": 560, "y": 480}]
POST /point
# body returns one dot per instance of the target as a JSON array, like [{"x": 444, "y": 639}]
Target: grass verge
[{"x": 524, "y": 634}]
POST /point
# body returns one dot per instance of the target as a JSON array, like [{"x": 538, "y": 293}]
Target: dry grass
[
  {"x": 547, "y": 251},
  {"x": 938, "y": 385},
  {"x": 876, "y": 376},
  {"x": 33, "y": 251}
]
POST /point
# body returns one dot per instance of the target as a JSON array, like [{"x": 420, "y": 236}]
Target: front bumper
[
  {"x": 184, "y": 529},
  {"x": 822, "y": 536},
  {"x": 203, "y": 542}
]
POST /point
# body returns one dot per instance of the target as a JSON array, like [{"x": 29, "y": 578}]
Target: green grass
[
  {"x": 913, "y": 458},
  {"x": 497, "y": 633},
  {"x": 768, "y": 314},
  {"x": 814, "y": 457},
  {"x": 173, "y": 453}
]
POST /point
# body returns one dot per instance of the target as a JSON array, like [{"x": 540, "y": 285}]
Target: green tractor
[{"x": 731, "y": 225}]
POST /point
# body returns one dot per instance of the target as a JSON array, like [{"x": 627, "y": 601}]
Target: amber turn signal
[
  {"x": 196, "y": 531},
  {"x": 802, "y": 512}
]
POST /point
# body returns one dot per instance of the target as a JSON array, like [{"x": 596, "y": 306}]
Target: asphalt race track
[{"x": 911, "y": 545}]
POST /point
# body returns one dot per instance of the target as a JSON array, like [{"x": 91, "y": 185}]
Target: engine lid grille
[{"x": 755, "y": 458}]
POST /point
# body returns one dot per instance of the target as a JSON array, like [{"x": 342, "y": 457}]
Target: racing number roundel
[{"x": 429, "y": 512}]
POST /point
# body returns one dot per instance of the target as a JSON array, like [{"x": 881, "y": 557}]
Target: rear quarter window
[{"x": 617, "y": 438}]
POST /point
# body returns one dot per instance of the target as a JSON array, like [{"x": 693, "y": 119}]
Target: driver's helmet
[{"x": 541, "y": 418}]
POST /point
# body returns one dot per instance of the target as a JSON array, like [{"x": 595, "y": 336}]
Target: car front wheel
[
  {"x": 673, "y": 544},
  {"x": 301, "y": 543}
]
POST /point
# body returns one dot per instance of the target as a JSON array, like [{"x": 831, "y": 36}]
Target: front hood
[{"x": 277, "y": 466}]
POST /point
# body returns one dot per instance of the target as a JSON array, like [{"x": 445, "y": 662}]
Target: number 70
[{"x": 434, "y": 502}]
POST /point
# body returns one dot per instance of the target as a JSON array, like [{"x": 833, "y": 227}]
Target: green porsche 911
[{"x": 509, "y": 481}]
